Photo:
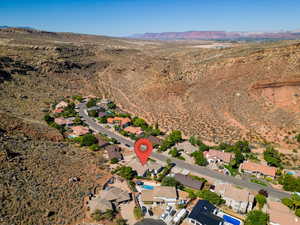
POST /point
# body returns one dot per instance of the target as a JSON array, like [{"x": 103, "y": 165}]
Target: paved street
[{"x": 179, "y": 163}]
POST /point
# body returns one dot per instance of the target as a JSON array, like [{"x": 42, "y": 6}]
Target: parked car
[
  {"x": 169, "y": 208},
  {"x": 164, "y": 216},
  {"x": 144, "y": 210},
  {"x": 139, "y": 182}
]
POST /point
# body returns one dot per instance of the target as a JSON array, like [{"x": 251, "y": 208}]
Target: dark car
[
  {"x": 144, "y": 210},
  {"x": 139, "y": 182}
]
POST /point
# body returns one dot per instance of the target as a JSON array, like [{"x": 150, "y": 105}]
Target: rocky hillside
[{"x": 244, "y": 91}]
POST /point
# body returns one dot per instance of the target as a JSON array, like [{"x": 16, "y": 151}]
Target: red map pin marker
[{"x": 143, "y": 149}]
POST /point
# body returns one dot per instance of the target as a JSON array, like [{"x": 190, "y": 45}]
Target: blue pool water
[
  {"x": 147, "y": 187},
  {"x": 231, "y": 220}
]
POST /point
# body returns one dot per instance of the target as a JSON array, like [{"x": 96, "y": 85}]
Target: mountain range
[{"x": 219, "y": 35}]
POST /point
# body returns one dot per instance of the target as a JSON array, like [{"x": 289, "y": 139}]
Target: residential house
[
  {"x": 57, "y": 111},
  {"x": 240, "y": 200},
  {"x": 155, "y": 140},
  {"x": 281, "y": 215},
  {"x": 98, "y": 203},
  {"x": 79, "y": 131},
  {"x": 159, "y": 195},
  {"x": 64, "y": 121},
  {"x": 116, "y": 195},
  {"x": 187, "y": 147},
  {"x": 61, "y": 105},
  {"x": 257, "y": 169},
  {"x": 134, "y": 130},
  {"x": 188, "y": 181},
  {"x": 122, "y": 121},
  {"x": 204, "y": 213},
  {"x": 218, "y": 157},
  {"x": 114, "y": 151},
  {"x": 151, "y": 167}
]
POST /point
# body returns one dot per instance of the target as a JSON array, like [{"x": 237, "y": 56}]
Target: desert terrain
[{"x": 246, "y": 90}]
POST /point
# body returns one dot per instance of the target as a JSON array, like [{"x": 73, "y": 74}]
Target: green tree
[
  {"x": 92, "y": 102},
  {"x": 111, "y": 105},
  {"x": 93, "y": 113},
  {"x": 297, "y": 137},
  {"x": 88, "y": 140},
  {"x": 114, "y": 160},
  {"x": 290, "y": 183},
  {"x": 261, "y": 200},
  {"x": 297, "y": 212},
  {"x": 174, "y": 153},
  {"x": 272, "y": 157},
  {"x": 94, "y": 147},
  {"x": 126, "y": 172},
  {"x": 288, "y": 202},
  {"x": 139, "y": 122},
  {"x": 210, "y": 196},
  {"x": 199, "y": 158},
  {"x": 257, "y": 217},
  {"x": 170, "y": 181},
  {"x": 175, "y": 136},
  {"x": 243, "y": 146},
  {"x": 137, "y": 211},
  {"x": 102, "y": 119},
  {"x": 49, "y": 119}
]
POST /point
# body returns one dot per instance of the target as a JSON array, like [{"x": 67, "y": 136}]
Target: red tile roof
[
  {"x": 224, "y": 156},
  {"x": 121, "y": 120},
  {"x": 255, "y": 167},
  {"x": 134, "y": 130},
  {"x": 79, "y": 130}
]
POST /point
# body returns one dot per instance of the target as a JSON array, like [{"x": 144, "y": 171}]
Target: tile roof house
[
  {"x": 62, "y": 104},
  {"x": 159, "y": 194},
  {"x": 155, "y": 140},
  {"x": 258, "y": 169},
  {"x": 122, "y": 121},
  {"x": 114, "y": 151},
  {"x": 188, "y": 181},
  {"x": 134, "y": 130},
  {"x": 281, "y": 215},
  {"x": 204, "y": 213},
  {"x": 215, "y": 156},
  {"x": 240, "y": 200},
  {"x": 79, "y": 131},
  {"x": 59, "y": 110},
  {"x": 64, "y": 121},
  {"x": 152, "y": 167},
  {"x": 187, "y": 147}
]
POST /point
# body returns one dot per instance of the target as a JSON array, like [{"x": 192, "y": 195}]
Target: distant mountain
[
  {"x": 22, "y": 27},
  {"x": 218, "y": 35}
]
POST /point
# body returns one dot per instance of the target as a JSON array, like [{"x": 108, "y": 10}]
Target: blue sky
[{"x": 126, "y": 17}]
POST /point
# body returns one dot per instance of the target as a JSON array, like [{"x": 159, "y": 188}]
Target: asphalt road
[{"x": 179, "y": 163}]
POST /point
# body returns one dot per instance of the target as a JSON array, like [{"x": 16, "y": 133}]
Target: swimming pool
[
  {"x": 231, "y": 220},
  {"x": 147, "y": 187}
]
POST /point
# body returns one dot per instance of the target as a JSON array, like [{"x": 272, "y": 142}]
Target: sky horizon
[{"x": 128, "y": 17}]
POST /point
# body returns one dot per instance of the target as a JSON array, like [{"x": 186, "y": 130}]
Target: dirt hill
[{"x": 243, "y": 91}]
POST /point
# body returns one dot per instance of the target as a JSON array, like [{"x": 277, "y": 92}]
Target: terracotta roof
[
  {"x": 59, "y": 110},
  {"x": 255, "y": 167},
  {"x": 186, "y": 146},
  {"x": 63, "y": 121},
  {"x": 79, "y": 130},
  {"x": 280, "y": 214},
  {"x": 188, "y": 181},
  {"x": 154, "y": 140},
  {"x": 224, "y": 156},
  {"x": 62, "y": 104},
  {"x": 113, "y": 151},
  {"x": 141, "y": 169},
  {"x": 121, "y": 120},
  {"x": 134, "y": 130}
]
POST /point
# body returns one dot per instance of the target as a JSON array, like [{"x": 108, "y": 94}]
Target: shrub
[
  {"x": 261, "y": 200},
  {"x": 94, "y": 147},
  {"x": 111, "y": 105},
  {"x": 257, "y": 217},
  {"x": 210, "y": 196},
  {"x": 92, "y": 102},
  {"x": 93, "y": 113},
  {"x": 256, "y": 181},
  {"x": 102, "y": 119},
  {"x": 272, "y": 157},
  {"x": 199, "y": 158},
  {"x": 114, "y": 160},
  {"x": 297, "y": 212},
  {"x": 48, "y": 119},
  {"x": 137, "y": 211},
  {"x": 88, "y": 140},
  {"x": 170, "y": 181},
  {"x": 126, "y": 172},
  {"x": 290, "y": 183}
]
